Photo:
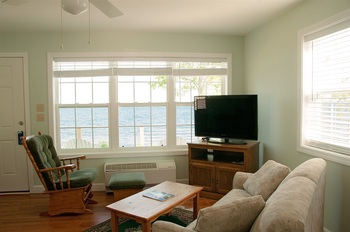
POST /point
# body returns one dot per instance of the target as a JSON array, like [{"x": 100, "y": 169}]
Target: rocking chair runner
[{"x": 69, "y": 190}]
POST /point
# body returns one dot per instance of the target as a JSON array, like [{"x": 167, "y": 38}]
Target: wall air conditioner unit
[{"x": 155, "y": 171}]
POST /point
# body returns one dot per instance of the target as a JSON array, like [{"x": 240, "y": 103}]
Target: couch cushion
[
  {"x": 239, "y": 179},
  {"x": 310, "y": 169},
  {"x": 287, "y": 209},
  {"x": 265, "y": 181},
  {"x": 233, "y": 195},
  {"x": 237, "y": 215}
]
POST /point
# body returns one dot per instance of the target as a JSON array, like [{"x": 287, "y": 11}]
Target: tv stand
[
  {"x": 216, "y": 174},
  {"x": 226, "y": 141}
]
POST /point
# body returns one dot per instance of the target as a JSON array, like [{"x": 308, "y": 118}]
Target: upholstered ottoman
[{"x": 126, "y": 184}]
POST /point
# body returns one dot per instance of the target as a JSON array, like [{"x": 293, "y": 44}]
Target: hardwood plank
[{"x": 25, "y": 212}]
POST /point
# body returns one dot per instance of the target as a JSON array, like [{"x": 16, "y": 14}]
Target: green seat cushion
[
  {"x": 79, "y": 178},
  {"x": 127, "y": 180}
]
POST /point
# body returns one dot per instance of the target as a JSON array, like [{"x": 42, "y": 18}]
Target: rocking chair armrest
[
  {"x": 73, "y": 158},
  {"x": 65, "y": 167}
]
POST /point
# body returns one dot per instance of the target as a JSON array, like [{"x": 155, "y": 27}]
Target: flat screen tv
[{"x": 226, "y": 118}]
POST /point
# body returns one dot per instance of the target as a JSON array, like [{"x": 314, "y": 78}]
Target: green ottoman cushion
[{"x": 127, "y": 181}]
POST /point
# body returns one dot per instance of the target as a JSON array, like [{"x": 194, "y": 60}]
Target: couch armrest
[
  {"x": 239, "y": 179},
  {"x": 164, "y": 226}
]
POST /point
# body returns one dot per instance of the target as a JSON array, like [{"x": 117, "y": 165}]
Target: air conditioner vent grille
[{"x": 130, "y": 166}]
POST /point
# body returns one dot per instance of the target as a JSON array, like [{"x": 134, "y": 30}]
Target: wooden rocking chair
[{"x": 68, "y": 186}]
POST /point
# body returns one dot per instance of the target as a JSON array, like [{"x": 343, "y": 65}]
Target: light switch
[
  {"x": 40, "y": 117},
  {"x": 40, "y": 108}
]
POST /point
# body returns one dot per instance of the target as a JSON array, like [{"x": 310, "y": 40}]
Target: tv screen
[{"x": 226, "y": 117}]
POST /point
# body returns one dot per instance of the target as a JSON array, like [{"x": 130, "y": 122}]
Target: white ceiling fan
[{"x": 77, "y": 7}]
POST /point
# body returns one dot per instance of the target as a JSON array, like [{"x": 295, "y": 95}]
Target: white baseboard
[
  {"x": 98, "y": 187},
  {"x": 37, "y": 189}
]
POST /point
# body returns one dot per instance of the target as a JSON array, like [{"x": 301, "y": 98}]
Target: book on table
[{"x": 158, "y": 195}]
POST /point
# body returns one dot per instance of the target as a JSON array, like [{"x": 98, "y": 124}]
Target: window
[
  {"x": 325, "y": 85},
  {"x": 107, "y": 104}
]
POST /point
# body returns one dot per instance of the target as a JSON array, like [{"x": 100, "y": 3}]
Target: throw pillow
[
  {"x": 238, "y": 215},
  {"x": 266, "y": 180}
]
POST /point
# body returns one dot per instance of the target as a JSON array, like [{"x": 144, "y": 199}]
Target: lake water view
[{"x": 138, "y": 126}]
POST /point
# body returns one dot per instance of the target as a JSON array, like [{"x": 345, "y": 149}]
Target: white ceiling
[{"x": 223, "y": 17}]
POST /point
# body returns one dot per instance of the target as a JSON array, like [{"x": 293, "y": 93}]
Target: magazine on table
[{"x": 158, "y": 195}]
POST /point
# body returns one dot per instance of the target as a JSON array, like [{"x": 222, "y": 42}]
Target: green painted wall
[
  {"x": 264, "y": 62},
  {"x": 38, "y": 44},
  {"x": 271, "y": 70}
]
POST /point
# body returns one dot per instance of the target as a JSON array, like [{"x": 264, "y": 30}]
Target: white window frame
[
  {"x": 136, "y": 151},
  {"x": 320, "y": 27}
]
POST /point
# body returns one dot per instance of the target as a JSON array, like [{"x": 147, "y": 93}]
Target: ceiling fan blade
[
  {"x": 14, "y": 2},
  {"x": 107, "y": 8}
]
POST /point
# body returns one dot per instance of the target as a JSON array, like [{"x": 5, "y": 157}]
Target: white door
[{"x": 13, "y": 159}]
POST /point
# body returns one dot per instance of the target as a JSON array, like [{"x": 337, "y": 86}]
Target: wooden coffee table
[{"x": 145, "y": 210}]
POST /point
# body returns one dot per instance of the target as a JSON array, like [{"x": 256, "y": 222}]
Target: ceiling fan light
[{"x": 75, "y": 7}]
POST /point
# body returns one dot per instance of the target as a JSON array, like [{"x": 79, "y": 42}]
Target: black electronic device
[{"x": 226, "y": 118}]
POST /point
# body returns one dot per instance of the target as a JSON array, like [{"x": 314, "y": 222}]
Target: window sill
[
  {"x": 327, "y": 155},
  {"x": 129, "y": 154}
]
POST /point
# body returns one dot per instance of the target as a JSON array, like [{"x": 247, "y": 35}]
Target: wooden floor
[{"x": 26, "y": 212}]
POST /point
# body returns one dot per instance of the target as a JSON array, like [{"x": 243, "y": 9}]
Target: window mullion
[{"x": 171, "y": 111}]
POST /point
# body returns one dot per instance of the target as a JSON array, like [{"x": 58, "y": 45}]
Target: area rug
[{"x": 179, "y": 216}]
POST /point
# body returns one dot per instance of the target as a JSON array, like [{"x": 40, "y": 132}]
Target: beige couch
[{"x": 272, "y": 199}]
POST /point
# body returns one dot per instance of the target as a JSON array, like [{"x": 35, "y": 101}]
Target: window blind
[{"x": 327, "y": 89}]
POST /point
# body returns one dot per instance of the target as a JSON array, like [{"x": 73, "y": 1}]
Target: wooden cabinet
[{"x": 216, "y": 176}]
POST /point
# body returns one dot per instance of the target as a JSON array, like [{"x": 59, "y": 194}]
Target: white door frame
[{"x": 24, "y": 56}]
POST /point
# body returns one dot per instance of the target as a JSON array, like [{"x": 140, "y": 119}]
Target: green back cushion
[
  {"x": 43, "y": 151},
  {"x": 45, "y": 155}
]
